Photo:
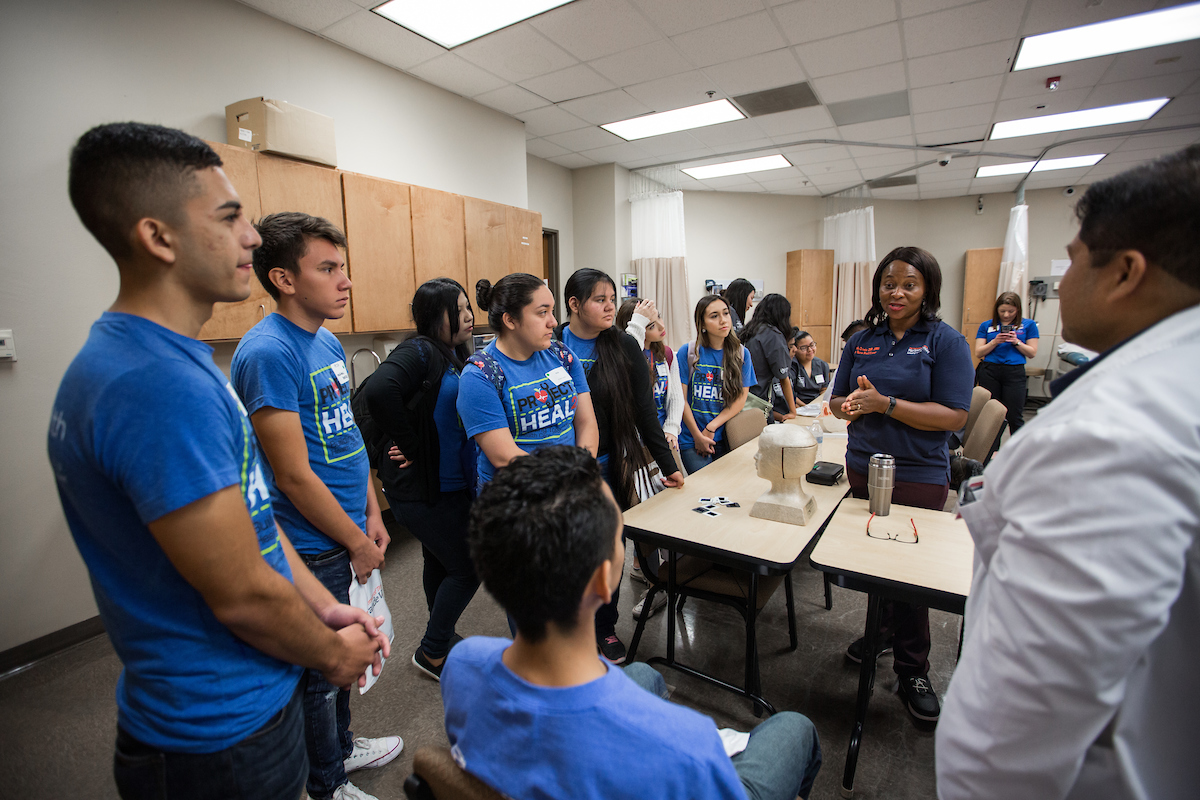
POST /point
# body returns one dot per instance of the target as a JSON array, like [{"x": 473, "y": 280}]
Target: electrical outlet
[{"x": 8, "y": 348}]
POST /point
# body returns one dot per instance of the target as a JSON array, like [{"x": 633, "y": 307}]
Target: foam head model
[{"x": 785, "y": 455}]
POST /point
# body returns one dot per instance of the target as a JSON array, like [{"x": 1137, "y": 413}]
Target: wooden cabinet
[
  {"x": 525, "y": 242},
  {"x": 979, "y": 290},
  {"x": 232, "y": 320},
  {"x": 487, "y": 233},
  {"x": 809, "y": 289},
  {"x": 379, "y": 223},
  {"x": 286, "y": 185},
  {"x": 439, "y": 240}
]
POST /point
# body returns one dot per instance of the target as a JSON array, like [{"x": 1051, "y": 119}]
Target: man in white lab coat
[{"x": 1083, "y": 624}]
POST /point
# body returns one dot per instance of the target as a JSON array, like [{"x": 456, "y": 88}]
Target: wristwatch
[{"x": 891, "y": 406}]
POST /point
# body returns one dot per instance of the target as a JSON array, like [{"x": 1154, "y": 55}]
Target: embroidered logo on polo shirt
[
  {"x": 912, "y": 351},
  {"x": 866, "y": 351}
]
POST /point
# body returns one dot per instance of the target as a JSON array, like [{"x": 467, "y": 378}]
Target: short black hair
[
  {"x": 923, "y": 262},
  {"x": 1153, "y": 208},
  {"x": 285, "y": 241},
  {"x": 855, "y": 326},
  {"x": 126, "y": 171},
  {"x": 538, "y": 532}
]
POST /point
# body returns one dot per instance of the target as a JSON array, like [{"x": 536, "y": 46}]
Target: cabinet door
[
  {"x": 439, "y": 241},
  {"x": 525, "y": 242},
  {"x": 286, "y": 185},
  {"x": 379, "y": 222},
  {"x": 487, "y": 235},
  {"x": 816, "y": 289},
  {"x": 980, "y": 278},
  {"x": 232, "y": 320}
]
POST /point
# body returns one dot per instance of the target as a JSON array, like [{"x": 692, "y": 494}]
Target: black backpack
[{"x": 377, "y": 442}]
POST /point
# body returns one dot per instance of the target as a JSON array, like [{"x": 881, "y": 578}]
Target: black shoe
[
  {"x": 611, "y": 648},
  {"x": 428, "y": 667},
  {"x": 854, "y": 652},
  {"x": 918, "y": 695}
]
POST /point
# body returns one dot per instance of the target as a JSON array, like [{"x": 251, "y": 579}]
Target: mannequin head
[{"x": 786, "y": 453}]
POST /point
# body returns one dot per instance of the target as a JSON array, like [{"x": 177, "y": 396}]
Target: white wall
[
  {"x": 551, "y": 191},
  {"x": 72, "y": 64}
]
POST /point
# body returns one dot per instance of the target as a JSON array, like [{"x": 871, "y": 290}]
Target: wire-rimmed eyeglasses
[{"x": 894, "y": 537}]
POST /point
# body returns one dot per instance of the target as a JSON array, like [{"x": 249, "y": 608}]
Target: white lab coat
[{"x": 1077, "y": 676}]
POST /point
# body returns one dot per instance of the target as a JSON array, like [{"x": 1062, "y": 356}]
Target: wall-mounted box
[{"x": 273, "y": 126}]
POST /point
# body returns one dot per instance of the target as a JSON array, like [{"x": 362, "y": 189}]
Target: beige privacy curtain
[
  {"x": 660, "y": 252},
  {"x": 851, "y": 236},
  {"x": 1014, "y": 264}
]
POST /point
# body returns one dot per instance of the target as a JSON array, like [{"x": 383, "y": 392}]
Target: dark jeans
[
  {"x": 326, "y": 707},
  {"x": 694, "y": 462},
  {"x": 1008, "y": 384},
  {"x": 908, "y": 624},
  {"x": 449, "y": 576},
  {"x": 270, "y": 764}
]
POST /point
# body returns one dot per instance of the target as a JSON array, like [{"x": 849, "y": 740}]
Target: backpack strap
[
  {"x": 563, "y": 352},
  {"x": 491, "y": 369},
  {"x": 435, "y": 364}
]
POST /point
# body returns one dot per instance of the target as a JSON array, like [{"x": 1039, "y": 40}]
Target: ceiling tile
[
  {"x": 1143, "y": 89},
  {"x": 605, "y": 107},
  {"x": 516, "y": 53},
  {"x": 676, "y": 16},
  {"x": 956, "y": 94},
  {"x": 584, "y": 139},
  {"x": 830, "y": 166},
  {"x": 1176, "y": 111},
  {"x": 382, "y": 40},
  {"x": 964, "y": 64},
  {"x": 1076, "y": 75},
  {"x": 311, "y": 15},
  {"x": 755, "y": 73},
  {"x": 1169, "y": 141},
  {"x": 1046, "y": 17},
  {"x": 642, "y": 63},
  {"x": 787, "y": 123},
  {"x": 512, "y": 99},
  {"x": 735, "y": 183},
  {"x": 639, "y": 163},
  {"x": 885, "y": 158},
  {"x": 752, "y": 148},
  {"x": 810, "y": 20},
  {"x": 876, "y": 129},
  {"x": 964, "y": 26},
  {"x": 590, "y": 29},
  {"x": 676, "y": 91},
  {"x": 819, "y": 137},
  {"x": 954, "y": 118},
  {"x": 897, "y": 193},
  {"x": 1032, "y": 145},
  {"x": 913, "y": 8},
  {"x": 806, "y": 156},
  {"x": 623, "y": 153},
  {"x": 1052, "y": 103},
  {"x": 861, "y": 83},
  {"x": 567, "y": 84},
  {"x": 673, "y": 143},
  {"x": 742, "y": 130},
  {"x": 573, "y": 161},
  {"x": 858, "y": 50},
  {"x": 549, "y": 120},
  {"x": 971, "y": 133},
  {"x": 544, "y": 149},
  {"x": 461, "y": 77},
  {"x": 863, "y": 151},
  {"x": 727, "y": 41},
  {"x": 1154, "y": 61}
]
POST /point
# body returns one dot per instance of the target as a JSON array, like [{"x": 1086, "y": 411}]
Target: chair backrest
[
  {"x": 981, "y": 441},
  {"x": 744, "y": 427},
  {"x": 438, "y": 776},
  {"x": 979, "y": 398}
]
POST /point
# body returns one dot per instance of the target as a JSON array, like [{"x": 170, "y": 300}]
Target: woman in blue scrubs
[{"x": 904, "y": 384}]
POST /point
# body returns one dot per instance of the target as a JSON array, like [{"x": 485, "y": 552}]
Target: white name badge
[
  {"x": 559, "y": 375},
  {"x": 819, "y": 379},
  {"x": 339, "y": 369},
  {"x": 662, "y": 370}
]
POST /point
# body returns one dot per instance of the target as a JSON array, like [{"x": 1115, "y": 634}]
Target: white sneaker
[
  {"x": 660, "y": 600},
  {"x": 370, "y": 754},
  {"x": 348, "y": 791}
]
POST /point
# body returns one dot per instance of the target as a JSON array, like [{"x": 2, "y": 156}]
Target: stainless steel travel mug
[{"x": 881, "y": 478}]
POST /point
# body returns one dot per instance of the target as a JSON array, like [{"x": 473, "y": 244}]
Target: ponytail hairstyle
[
  {"x": 774, "y": 311},
  {"x": 509, "y": 296},
  {"x": 658, "y": 350},
  {"x": 731, "y": 364},
  {"x": 1007, "y": 299},
  {"x": 611, "y": 388},
  {"x": 437, "y": 300},
  {"x": 737, "y": 294},
  {"x": 923, "y": 262}
]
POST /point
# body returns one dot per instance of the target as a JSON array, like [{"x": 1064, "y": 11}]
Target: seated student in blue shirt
[
  {"x": 206, "y": 603},
  {"x": 543, "y": 716}
]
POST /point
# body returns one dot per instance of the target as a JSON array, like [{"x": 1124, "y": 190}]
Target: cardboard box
[{"x": 273, "y": 126}]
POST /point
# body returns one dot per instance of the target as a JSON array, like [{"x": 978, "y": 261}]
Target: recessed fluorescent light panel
[
  {"x": 454, "y": 22},
  {"x": 680, "y": 119},
  {"x": 1089, "y": 118},
  {"x": 738, "y": 167},
  {"x": 1170, "y": 25},
  {"x": 1039, "y": 166}
]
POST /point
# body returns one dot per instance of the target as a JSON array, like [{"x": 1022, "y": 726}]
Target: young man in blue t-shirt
[
  {"x": 291, "y": 374},
  {"x": 544, "y": 715},
  {"x": 206, "y": 602}
]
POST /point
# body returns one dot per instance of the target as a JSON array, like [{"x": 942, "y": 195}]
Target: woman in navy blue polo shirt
[
  {"x": 1005, "y": 344},
  {"x": 904, "y": 384}
]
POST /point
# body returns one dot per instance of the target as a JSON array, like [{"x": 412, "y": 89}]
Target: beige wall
[
  {"x": 551, "y": 192},
  {"x": 72, "y": 64}
]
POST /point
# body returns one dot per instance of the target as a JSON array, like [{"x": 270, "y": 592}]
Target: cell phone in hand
[{"x": 1006, "y": 328}]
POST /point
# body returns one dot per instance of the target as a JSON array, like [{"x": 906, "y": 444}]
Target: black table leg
[
  {"x": 671, "y": 598},
  {"x": 866, "y": 681}
]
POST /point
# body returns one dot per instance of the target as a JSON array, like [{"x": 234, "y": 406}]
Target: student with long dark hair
[
  {"x": 641, "y": 320},
  {"x": 766, "y": 342},
  {"x": 718, "y": 376},
  {"x": 524, "y": 390},
  {"x": 413, "y": 398},
  {"x": 1004, "y": 344},
  {"x": 624, "y": 405},
  {"x": 739, "y": 294}
]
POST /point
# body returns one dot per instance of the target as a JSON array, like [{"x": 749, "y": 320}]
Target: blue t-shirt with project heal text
[
  {"x": 702, "y": 387},
  {"x": 144, "y": 424},
  {"x": 278, "y": 364},
  {"x": 1005, "y": 353},
  {"x": 603, "y": 739},
  {"x": 536, "y": 402}
]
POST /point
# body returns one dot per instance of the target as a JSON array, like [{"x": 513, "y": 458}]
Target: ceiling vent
[
  {"x": 887, "y": 183},
  {"x": 773, "y": 101},
  {"x": 869, "y": 109}
]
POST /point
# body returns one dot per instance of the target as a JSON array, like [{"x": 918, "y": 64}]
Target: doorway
[{"x": 550, "y": 268}]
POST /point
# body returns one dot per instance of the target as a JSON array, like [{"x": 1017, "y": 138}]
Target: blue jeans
[
  {"x": 782, "y": 758},
  {"x": 269, "y": 763},
  {"x": 449, "y": 575},
  {"x": 693, "y": 461},
  {"x": 326, "y": 707}
]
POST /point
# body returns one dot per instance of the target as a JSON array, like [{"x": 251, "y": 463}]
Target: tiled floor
[{"x": 58, "y": 718}]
